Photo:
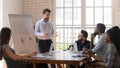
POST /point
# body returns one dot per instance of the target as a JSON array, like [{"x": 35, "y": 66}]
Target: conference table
[{"x": 58, "y": 57}]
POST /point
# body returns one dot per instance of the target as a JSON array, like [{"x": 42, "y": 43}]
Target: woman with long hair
[
  {"x": 110, "y": 59},
  {"x": 116, "y": 41},
  {"x": 12, "y": 60}
]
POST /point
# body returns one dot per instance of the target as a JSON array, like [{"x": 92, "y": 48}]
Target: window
[
  {"x": 98, "y": 11},
  {"x": 74, "y": 15}
]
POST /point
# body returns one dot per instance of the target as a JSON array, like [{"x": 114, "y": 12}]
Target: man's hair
[
  {"x": 85, "y": 34},
  {"x": 101, "y": 27},
  {"x": 46, "y": 10}
]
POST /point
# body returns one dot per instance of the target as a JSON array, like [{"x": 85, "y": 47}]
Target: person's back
[
  {"x": 117, "y": 61},
  {"x": 10, "y": 62},
  {"x": 109, "y": 55}
]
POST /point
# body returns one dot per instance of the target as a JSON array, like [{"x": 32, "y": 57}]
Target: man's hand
[
  {"x": 84, "y": 51},
  {"x": 92, "y": 39},
  {"x": 55, "y": 35},
  {"x": 93, "y": 36},
  {"x": 33, "y": 53},
  {"x": 44, "y": 35},
  {"x": 89, "y": 52}
]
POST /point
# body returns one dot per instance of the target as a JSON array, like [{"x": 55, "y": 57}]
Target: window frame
[{"x": 83, "y": 7}]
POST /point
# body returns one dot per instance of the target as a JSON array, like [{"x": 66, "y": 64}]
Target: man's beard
[{"x": 46, "y": 19}]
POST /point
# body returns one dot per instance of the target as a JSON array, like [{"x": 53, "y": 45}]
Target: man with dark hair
[
  {"x": 85, "y": 34},
  {"x": 80, "y": 45},
  {"x": 100, "y": 27},
  {"x": 44, "y": 33},
  {"x": 100, "y": 46},
  {"x": 82, "y": 42},
  {"x": 46, "y": 10}
]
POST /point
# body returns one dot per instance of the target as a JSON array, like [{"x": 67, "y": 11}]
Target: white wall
[
  {"x": 116, "y": 12},
  {"x": 11, "y": 7},
  {"x": 0, "y": 14}
]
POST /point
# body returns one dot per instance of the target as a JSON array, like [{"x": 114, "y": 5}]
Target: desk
[{"x": 58, "y": 57}]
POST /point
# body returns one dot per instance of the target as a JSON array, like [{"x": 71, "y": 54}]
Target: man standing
[{"x": 44, "y": 31}]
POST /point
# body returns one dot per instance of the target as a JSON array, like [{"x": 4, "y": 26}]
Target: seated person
[
  {"x": 82, "y": 42},
  {"x": 9, "y": 55},
  {"x": 110, "y": 58},
  {"x": 80, "y": 45},
  {"x": 12, "y": 60},
  {"x": 100, "y": 46}
]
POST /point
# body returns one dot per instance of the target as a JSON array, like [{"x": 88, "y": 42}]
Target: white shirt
[{"x": 43, "y": 27}]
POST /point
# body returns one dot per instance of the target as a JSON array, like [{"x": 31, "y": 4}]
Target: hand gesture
[
  {"x": 93, "y": 36},
  {"x": 44, "y": 35},
  {"x": 33, "y": 53}
]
